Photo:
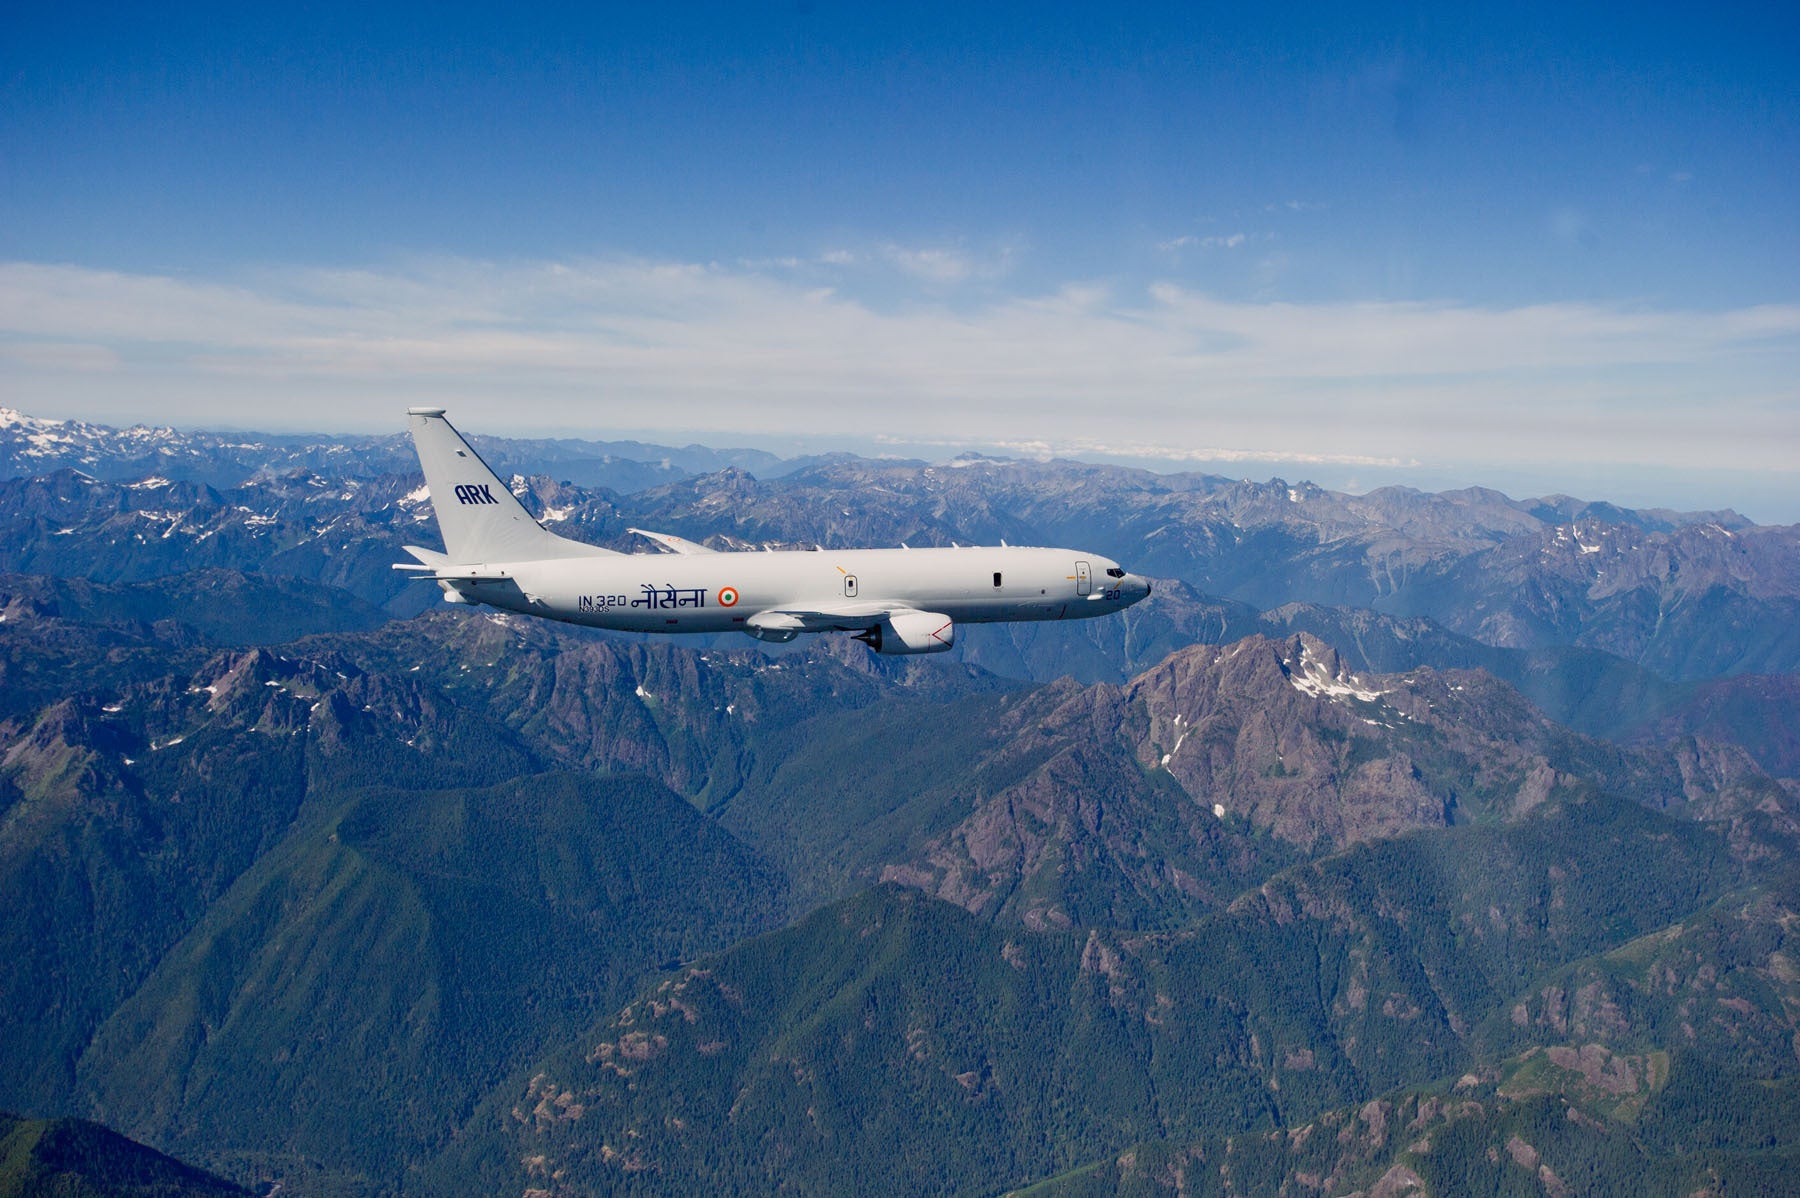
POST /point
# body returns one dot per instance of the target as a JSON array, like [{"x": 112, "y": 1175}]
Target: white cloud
[
  {"x": 1164, "y": 373},
  {"x": 946, "y": 265},
  {"x": 1189, "y": 241},
  {"x": 932, "y": 265},
  {"x": 941, "y": 266}
]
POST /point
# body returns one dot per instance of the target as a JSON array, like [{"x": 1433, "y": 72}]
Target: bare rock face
[
  {"x": 1081, "y": 835},
  {"x": 1130, "y": 805},
  {"x": 1282, "y": 735}
]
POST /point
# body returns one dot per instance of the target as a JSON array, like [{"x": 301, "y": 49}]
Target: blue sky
[{"x": 1541, "y": 248}]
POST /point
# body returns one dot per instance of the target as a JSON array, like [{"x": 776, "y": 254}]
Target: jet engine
[{"x": 911, "y": 632}]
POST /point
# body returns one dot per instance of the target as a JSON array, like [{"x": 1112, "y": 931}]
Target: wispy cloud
[
  {"x": 933, "y": 265},
  {"x": 938, "y": 265},
  {"x": 952, "y": 264},
  {"x": 1190, "y": 241},
  {"x": 1163, "y": 372}
]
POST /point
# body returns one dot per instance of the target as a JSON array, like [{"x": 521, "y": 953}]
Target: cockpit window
[{"x": 1115, "y": 572}]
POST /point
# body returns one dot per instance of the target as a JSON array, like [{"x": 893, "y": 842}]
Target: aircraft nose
[{"x": 1137, "y": 586}]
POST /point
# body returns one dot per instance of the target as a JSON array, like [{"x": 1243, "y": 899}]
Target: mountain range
[{"x": 1398, "y": 843}]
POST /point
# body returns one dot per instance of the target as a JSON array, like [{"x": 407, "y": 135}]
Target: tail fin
[{"x": 481, "y": 520}]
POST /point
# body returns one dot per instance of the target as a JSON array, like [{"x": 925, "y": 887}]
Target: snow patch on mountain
[{"x": 1311, "y": 676}]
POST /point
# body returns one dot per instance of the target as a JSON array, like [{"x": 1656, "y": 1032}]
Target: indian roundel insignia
[{"x": 728, "y": 596}]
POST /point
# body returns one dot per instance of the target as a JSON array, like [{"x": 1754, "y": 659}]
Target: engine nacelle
[{"x": 911, "y": 632}]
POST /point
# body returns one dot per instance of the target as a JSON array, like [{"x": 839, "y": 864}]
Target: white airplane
[{"x": 894, "y": 600}]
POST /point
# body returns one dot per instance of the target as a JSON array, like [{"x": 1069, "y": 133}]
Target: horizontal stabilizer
[
  {"x": 456, "y": 574},
  {"x": 429, "y": 559},
  {"x": 441, "y": 567}
]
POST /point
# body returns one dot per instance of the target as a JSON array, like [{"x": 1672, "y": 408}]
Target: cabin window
[{"x": 996, "y": 578}]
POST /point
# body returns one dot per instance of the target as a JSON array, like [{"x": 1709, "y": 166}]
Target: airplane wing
[
  {"x": 828, "y": 617},
  {"x": 672, "y": 542},
  {"x": 884, "y": 627}
]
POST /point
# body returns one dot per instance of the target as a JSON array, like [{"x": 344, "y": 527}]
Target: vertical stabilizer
[{"x": 481, "y": 520}]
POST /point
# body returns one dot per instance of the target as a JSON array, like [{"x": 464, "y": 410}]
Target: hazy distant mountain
[
  {"x": 1688, "y": 596},
  {"x": 31, "y": 447}
]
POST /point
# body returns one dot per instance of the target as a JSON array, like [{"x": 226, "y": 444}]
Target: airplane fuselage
[{"x": 721, "y": 592}]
